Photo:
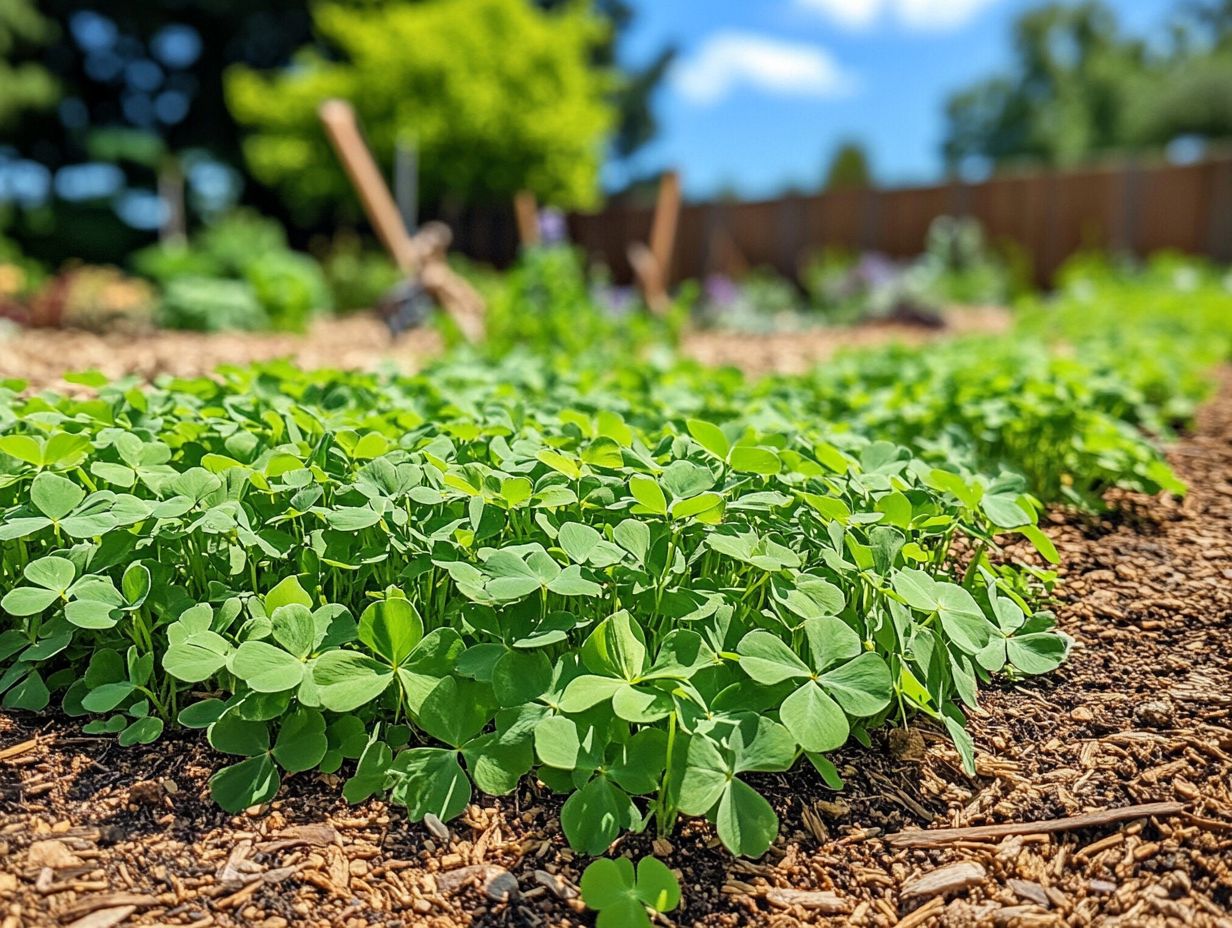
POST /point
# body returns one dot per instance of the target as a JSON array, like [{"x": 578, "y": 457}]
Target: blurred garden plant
[{"x": 238, "y": 273}]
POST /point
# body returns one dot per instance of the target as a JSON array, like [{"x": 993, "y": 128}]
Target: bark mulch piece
[{"x": 92, "y": 835}]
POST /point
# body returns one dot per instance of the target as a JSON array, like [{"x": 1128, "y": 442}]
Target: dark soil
[{"x": 93, "y": 836}]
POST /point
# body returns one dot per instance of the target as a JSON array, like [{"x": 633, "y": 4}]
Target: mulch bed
[
  {"x": 93, "y": 836},
  {"x": 362, "y": 342}
]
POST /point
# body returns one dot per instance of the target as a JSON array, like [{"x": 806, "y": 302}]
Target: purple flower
[
  {"x": 721, "y": 290},
  {"x": 552, "y": 227}
]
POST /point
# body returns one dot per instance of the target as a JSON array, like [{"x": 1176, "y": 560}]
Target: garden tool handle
[{"x": 338, "y": 117}]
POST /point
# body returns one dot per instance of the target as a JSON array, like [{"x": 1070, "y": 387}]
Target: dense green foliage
[
  {"x": 957, "y": 267},
  {"x": 546, "y": 303},
  {"x": 24, "y": 83},
  {"x": 238, "y": 273},
  {"x": 1080, "y": 85},
  {"x": 445, "y": 72},
  {"x": 639, "y": 583}
]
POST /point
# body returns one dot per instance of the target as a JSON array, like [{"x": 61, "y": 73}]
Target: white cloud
[
  {"x": 923, "y": 15},
  {"x": 727, "y": 60}
]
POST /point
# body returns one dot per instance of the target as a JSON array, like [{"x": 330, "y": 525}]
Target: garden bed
[
  {"x": 95, "y": 835},
  {"x": 361, "y": 341}
]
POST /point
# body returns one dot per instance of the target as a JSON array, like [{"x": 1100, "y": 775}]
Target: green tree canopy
[
  {"x": 499, "y": 94},
  {"x": 849, "y": 168},
  {"x": 24, "y": 84},
  {"x": 1080, "y": 86}
]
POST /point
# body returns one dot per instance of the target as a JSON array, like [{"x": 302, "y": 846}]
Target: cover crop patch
[
  {"x": 319, "y": 569},
  {"x": 639, "y": 586}
]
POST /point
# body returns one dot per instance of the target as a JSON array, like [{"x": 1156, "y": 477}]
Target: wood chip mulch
[
  {"x": 92, "y": 835},
  {"x": 361, "y": 342}
]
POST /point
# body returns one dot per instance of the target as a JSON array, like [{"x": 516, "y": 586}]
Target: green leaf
[
  {"x": 961, "y": 618},
  {"x": 578, "y": 540},
  {"x": 710, "y": 437},
  {"x": 22, "y": 447},
  {"x": 52, "y": 573},
  {"x": 594, "y": 816},
  {"x": 198, "y": 657},
  {"x": 589, "y": 690},
  {"x": 201, "y": 714},
  {"x": 295, "y": 628},
  {"x": 814, "y": 719},
  {"x": 301, "y": 740},
  {"x": 55, "y": 496},
  {"x": 248, "y": 783},
  {"x": 560, "y": 463},
  {"x": 519, "y": 677},
  {"x": 232, "y": 735},
  {"x": 142, "y": 731},
  {"x": 430, "y": 780},
  {"x": 862, "y": 686},
  {"x": 616, "y": 647},
  {"x": 136, "y": 584},
  {"x": 751, "y": 460},
  {"x": 1037, "y": 653},
  {"x": 347, "y": 680},
  {"x": 496, "y": 766},
  {"x": 391, "y": 628},
  {"x": 352, "y": 518},
  {"x": 29, "y": 693},
  {"x": 657, "y": 886},
  {"x": 265, "y": 668},
  {"x": 1043, "y": 544},
  {"x": 288, "y": 592},
  {"x": 455, "y": 711},
  {"x": 1004, "y": 512},
  {"x": 768, "y": 660},
  {"x": 746, "y": 824},
  {"x": 607, "y": 882},
  {"x": 106, "y": 697},
  {"x": 27, "y": 600},
  {"x": 370, "y": 772},
  {"x": 706, "y": 776},
  {"x": 634, "y": 537},
  {"x": 648, "y": 494}
]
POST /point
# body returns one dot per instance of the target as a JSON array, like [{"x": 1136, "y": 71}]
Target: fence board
[{"x": 1137, "y": 207}]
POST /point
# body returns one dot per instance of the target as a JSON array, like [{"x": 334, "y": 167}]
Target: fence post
[
  {"x": 527, "y": 211},
  {"x": 1219, "y": 234}
]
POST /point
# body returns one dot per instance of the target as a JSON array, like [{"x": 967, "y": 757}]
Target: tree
[
  {"x": 849, "y": 168},
  {"x": 499, "y": 95},
  {"x": 24, "y": 84},
  {"x": 633, "y": 93},
  {"x": 1067, "y": 96},
  {"x": 1080, "y": 86}
]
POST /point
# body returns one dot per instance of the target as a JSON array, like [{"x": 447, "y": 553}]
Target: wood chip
[
  {"x": 814, "y": 900},
  {"x": 104, "y": 918},
  {"x": 51, "y": 853},
  {"x": 947, "y": 879}
]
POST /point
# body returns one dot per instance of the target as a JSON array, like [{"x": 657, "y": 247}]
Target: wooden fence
[{"x": 1130, "y": 207}]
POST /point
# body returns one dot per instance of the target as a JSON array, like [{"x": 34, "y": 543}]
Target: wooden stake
[
  {"x": 527, "y": 211},
  {"x": 342, "y": 128},
  {"x": 666, "y": 221},
  {"x": 652, "y": 265}
]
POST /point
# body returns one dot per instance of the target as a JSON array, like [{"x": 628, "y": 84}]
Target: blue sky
[{"x": 762, "y": 90}]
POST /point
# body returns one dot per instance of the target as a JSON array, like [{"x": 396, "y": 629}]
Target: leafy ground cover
[{"x": 639, "y": 585}]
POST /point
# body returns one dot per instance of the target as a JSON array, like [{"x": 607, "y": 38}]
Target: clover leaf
[{"x": 621, "y": 896}]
